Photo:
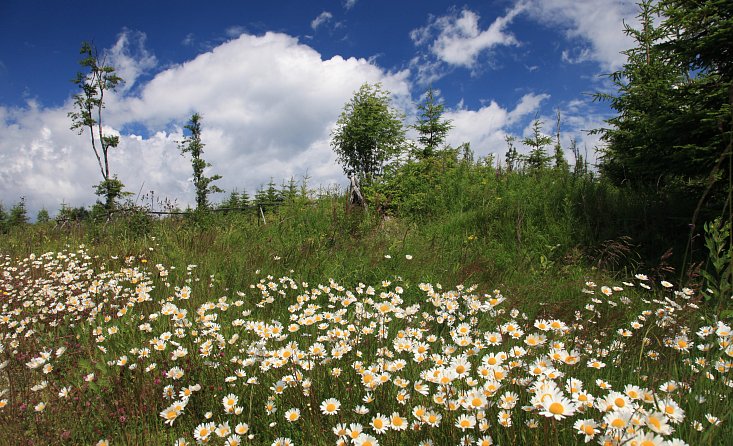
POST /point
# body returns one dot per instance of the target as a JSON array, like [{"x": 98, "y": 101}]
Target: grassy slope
[{"x": 533, "y": 237}]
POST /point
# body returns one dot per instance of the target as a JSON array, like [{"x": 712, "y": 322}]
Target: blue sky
[{"x": 271, "y": 78}]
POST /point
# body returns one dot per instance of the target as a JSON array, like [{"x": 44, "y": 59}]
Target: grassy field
[{"x": 503, "y": 316}]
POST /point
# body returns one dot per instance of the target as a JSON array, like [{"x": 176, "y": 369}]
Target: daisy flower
[
  {"x": 354, "y": 430},
  {"x": 365, "y": 440},
  {"x": 203, "y": 431},
  {"x": 292, "y": 415},
  {"x": 241, "y": 428},
  {"x": 380, "y": 423},
  {"x": 233, "y": 440},
  {"x": 397, "y": 422},
  {"x": 330, "y": 406},
  {"x": 170, "y": 414},
  {"x": 587, "y": 427},
  {"x": 671, "y": 409},
  {"x": 484, "y": 441},
  {"x": 657, "y": 422},
  {"x": 223, "y": 430},
  {"x": 556, "y": 406},
  {"x": 465, "y": 422}
]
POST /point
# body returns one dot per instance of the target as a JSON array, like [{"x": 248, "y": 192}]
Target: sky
[{"x": 270, "y": 79}]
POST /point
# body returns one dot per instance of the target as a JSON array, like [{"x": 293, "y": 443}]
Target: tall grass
[{"x": 449, "y": 253}]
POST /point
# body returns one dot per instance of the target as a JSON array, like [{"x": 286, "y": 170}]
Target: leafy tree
[
  {"x": 537, "y": 157},
  {"x": 368, "y": 133},
  {"x": 94, "y": 81},
  {"x": 193, "y": 145},
  {"x": 431, "y": 128}
]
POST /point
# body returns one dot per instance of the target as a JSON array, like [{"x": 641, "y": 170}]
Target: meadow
[{"x": 502, "y": 316}]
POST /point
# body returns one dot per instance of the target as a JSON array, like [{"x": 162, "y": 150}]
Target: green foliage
[
  {"x": 430, "y": 126},
  {"x": 537, "y": 158},
  {"x": 559, "y": 156},
  {"x": 18, "y": 214},
  {"x": 703, "y": 33},
  {"x": 43, "y": 216},
  {"x": 674, "y": 122},
  {"x": 512, "y": 155},
  {"x": 368, "y": 134},
  {"x": 3, "y": 219},
  {"x": 95, "y": 79},
  {"x": 112, "y": 190},
  {"x": 719, "y": 273},
  {"x": 236, "y": 200},
  {"x": 72, "y": 214},
  {"x": 193, "y": 145}
]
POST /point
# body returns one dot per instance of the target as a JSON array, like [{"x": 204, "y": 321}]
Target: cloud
[
  {"x": 581, "y": 55},
  {"x": 268, "y": 104},
  {"x": 188, "y": 40},
  {"x": 130, "y": 57},
  {"x": 486, "y": 127},
  {"x": 322, "y": 18},
  {"x": 235, "y": 31},
  {"x": 348, "y": 4},
  {"x": 595, "y": 25},
  {"x": 456, "y": 39}
]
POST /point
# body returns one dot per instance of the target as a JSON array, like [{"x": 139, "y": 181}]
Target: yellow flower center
[
  {"x": 330, "y": 407},
  {"x": 618, "y": 423},
  {"x": 619, "y": 402},
  {"x": 556, "y": 408},
  {"x": 654, "y": 421}
]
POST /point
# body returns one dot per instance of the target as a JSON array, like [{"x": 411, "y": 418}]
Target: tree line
[{"x": 671, "y": 133}]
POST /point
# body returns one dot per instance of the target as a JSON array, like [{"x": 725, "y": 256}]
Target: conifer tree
[
  {"x": 42, "y": 216},
  {"x": 537, "y": 157},
  {"x": 431, "y": 128},
  {"x": 193, "y": 145}
]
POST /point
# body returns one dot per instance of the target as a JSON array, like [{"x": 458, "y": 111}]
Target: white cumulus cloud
[
  {"x": 268, "y": 103},
  {"x": 596, "y": 27},
  {"x": 458, "y": 40},
  {"x": 486, "y": 127},
  {"x": 131, "y": 56}
]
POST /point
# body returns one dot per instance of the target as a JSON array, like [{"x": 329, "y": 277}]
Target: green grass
[{"x": 537, "y": 239}]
